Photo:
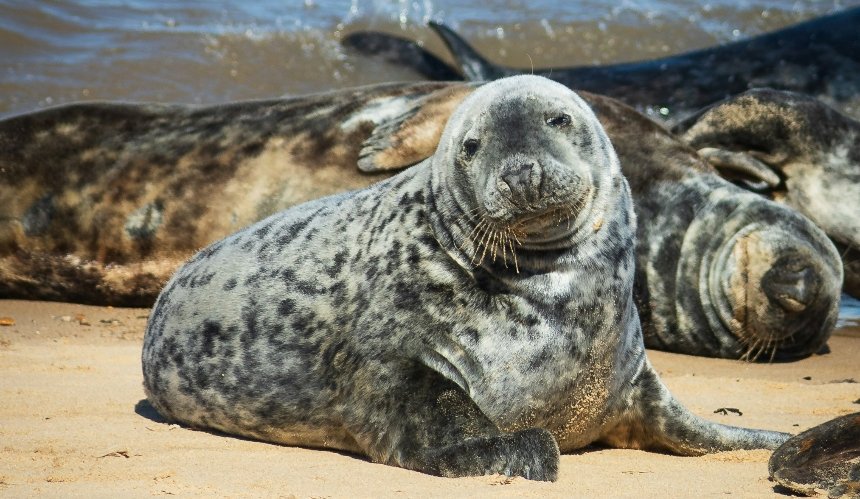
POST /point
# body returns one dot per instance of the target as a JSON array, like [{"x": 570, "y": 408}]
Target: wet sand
[{"x": 73, "y": 423}]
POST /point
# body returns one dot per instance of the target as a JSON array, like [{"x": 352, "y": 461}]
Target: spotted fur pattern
[
  {"x": 795, "y": 150},
  {"x": 362, "y": 322}
]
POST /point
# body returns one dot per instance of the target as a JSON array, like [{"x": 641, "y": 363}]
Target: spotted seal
[
  {"x": 470, "y": 315},
  {"x": 820, "y": 57},
  {"x": 793, "y": 149}
]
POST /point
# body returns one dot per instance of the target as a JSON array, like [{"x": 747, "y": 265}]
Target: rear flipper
[
  {"x": 472, "y": 64},
  {"x": 655, "y": 420},
  {"x": 402, "y": 53},
  {"x": 427, "y": 423}
]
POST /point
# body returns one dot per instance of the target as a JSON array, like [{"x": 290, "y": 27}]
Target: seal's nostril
[
  {"x": 518, "y": 176},
  {"x": 793, "y": 290}
]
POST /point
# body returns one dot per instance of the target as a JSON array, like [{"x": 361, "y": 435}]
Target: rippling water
[{"x": 59, "y": 51}]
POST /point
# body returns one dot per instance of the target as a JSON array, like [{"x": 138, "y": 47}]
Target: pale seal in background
[
  {"x": 100, "y": 203},
  {"x": 471, "y": 315},
  {"x": 143, "y": 198}
]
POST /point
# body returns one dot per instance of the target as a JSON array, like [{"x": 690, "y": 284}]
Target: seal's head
[
  {"x": 768, "y": 280},
  {"x": 794, "y": 149},
  {"x": 526, "y": 163}
]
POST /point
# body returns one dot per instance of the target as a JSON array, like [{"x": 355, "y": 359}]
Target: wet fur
[{"x": 820, "y": 57}]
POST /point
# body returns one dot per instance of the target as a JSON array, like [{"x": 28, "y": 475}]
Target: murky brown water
[{"x": 56, "y": 51}]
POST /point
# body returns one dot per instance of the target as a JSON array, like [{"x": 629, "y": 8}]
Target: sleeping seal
[
  {"x": 470, "y": 315},
  {"x": 104, "y": 201}
]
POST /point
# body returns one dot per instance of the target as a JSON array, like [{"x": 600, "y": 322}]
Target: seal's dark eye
[
  {"x": 470, "y": 147},
  {"x": 558, "y": 121}
]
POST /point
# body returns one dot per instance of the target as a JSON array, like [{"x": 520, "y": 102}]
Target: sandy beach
[{"x": 74, "y": 422}]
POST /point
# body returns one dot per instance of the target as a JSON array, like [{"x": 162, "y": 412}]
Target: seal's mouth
[{"x": 500, "y": 239}]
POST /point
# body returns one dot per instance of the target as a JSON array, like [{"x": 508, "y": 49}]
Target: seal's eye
[
  {"x": 470, "y": 147},
  {"x": 558, "y": 121}
]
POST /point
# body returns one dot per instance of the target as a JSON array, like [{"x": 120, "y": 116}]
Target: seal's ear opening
[
  {"x": 739, "y": 167},
  {"x": 413, "y": 135}
]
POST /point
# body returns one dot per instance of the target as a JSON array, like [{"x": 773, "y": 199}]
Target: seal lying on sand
[
  {"x": 471, "y": 315},
  {"x": 720, "y": 271},
  {"x": 825, "y": 459},
  {"x": 820, "y": 57},
  {"x": 100, "y": 203},
  {"x": 795, "y": 150},
  {"x": 256, "y": 158}
]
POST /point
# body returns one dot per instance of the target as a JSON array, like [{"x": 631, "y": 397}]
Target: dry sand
[{"x": 72, "y": 423}]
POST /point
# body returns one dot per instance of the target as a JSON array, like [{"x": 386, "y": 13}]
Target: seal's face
[
  {"x": 529, "y": 164},
  {"x": 771, "y": 287},
  {"x": 771, "y": 281},
  {"x": 792, "y": 148}
]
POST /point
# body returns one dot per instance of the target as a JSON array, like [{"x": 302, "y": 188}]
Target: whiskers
[
  {"x": 500, "y": 240},
  {"x": 495, "y": 240},
  {"x": 758, "y": 345}
]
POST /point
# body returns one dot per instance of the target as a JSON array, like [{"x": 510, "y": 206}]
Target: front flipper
[
  {"x": 742, "y": 167},
  {"x": 655, "y": 420},
  {"x": 413, "y": 135},
  {"x": 427, "y": 423}
]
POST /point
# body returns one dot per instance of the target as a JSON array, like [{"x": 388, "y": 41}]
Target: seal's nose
[
  {"x": 522, "y": 178},
  {"x": 794, "y": 287}
]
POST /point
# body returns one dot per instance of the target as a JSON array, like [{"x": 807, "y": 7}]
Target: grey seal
[
  {"x": 793, "y": 149},
  {"x": 140, "y": 203},
  {"x": 470, "y": 315},
  {"x": 819, "y": 57}
]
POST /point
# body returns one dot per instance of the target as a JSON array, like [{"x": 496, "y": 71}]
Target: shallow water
[
  {"x": 849, "y": 312},
  {"x": 59, "y": 51}
]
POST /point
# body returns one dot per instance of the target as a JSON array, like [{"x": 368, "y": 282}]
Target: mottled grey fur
[
  {"x": 720, "y": 271},
  {"x": 794, "y": 149},
  {"x": 375, "y": 322},
  {"x": 101, "y": 202}
]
